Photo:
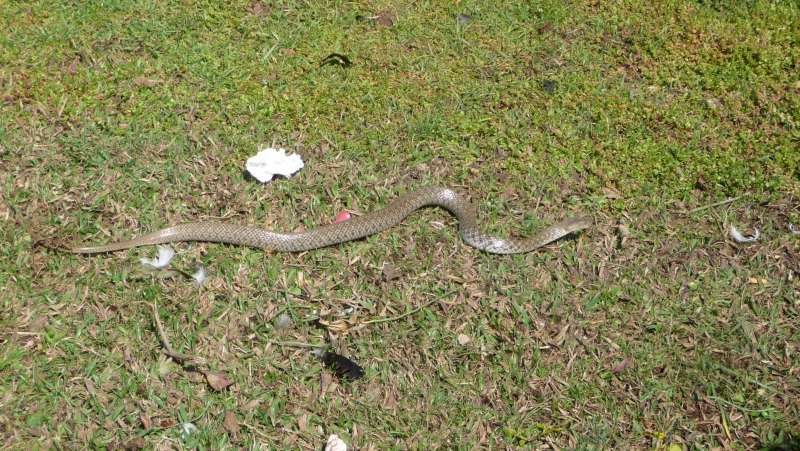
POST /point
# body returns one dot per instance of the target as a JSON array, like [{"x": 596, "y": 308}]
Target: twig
[
  {"x": 295, "y": 344},
  {"x": 167, "y": 350},
  {"x": 383, "y": 320},
  {"x": 263, "y": 435},
  {"x": 726, "y": 201}
]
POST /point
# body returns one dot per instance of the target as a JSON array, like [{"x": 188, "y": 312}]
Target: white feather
[
  {"x": 270, "y": 162},
  {"x": 187, "y": 429},
  {"x": 200, "y": 273},
  {"x": 283, "y": 321},
  {"x": 335, "y": 444},
  {"x": 739, "y": 238},
  {"x": 165, "y": 254}
]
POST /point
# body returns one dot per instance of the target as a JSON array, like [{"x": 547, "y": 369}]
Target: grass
[{"x": 121, "y": 117}]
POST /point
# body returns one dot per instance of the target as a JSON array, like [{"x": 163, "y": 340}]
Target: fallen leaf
[
  {"x": 39, "y": 322},
  {"x": 89, "y": 386},
  {"x": 325, "y": 383},
  {"x": 457, "y": 279},
  {"x": 611, "y": 194},
  {"x": 143, "y": 81},
  {"x": 258, "y": 9},
  {"x": 509, "y": 192},
  {"x": 302, "y": 422},
  {"x": 230, "y": 423},
  {"x": 463, "y": 339},
  {"x": 626, "y": 362},
  {"x": 101, "y": 310},
  {"x": 252, "y": 404},
  {"x": 390, "y": 401},
  {"x": 134, "y": 445},
  {"x": 217, "y": 381},
  {"x": 701, "y": 183},
  {"x": 385, "y": 19},
  {"x": 547, "y": 26},
  {"x": 145, "y": 421},
  {"x": 390, "y": 273},
  {"x": 339, "y": 325}
]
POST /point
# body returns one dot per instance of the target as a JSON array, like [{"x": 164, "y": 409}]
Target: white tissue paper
[{"x": 270, "y": 162}]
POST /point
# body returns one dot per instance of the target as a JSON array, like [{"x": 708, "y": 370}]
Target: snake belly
[{"x": 353, "y": 229}]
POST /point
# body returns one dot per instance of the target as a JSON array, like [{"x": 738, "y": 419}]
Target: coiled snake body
[{"x": 355, "y": 228}]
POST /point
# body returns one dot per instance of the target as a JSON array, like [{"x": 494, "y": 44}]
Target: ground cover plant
[{"x": 650, "y": 330}]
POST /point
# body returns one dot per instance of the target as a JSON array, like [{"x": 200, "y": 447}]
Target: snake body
[{"x": 353, "y": 229}]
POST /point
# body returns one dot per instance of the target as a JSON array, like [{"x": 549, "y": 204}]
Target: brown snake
[{"x": 353, "y": 229}]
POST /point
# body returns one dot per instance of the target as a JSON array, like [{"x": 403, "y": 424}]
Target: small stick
[
  {"x": 382, "y": 320},
  {"x": 294, "y": 344},
  {"x": 726, "y": 201},
  {"x": 167, "y": 350},
  {"x": 263, "y": 435}
]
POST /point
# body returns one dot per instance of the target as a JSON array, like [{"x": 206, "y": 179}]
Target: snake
[{"x": 356, "y": 228}]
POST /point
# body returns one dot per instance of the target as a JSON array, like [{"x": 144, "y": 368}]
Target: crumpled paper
[{"x": 270, "y": 162}]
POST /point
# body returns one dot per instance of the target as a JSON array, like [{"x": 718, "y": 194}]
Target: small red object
[
  {"x": 343, "y": 215},
  {"x": 166, "y": 423}
]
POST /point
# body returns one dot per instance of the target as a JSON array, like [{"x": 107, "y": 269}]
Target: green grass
[{"x": 118, "y": 118}]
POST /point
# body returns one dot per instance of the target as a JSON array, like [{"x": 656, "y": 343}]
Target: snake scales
[{"x": 355, "y": 228}]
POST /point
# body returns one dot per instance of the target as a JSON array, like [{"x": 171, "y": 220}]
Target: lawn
[{"x": 652, "y": 329}]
